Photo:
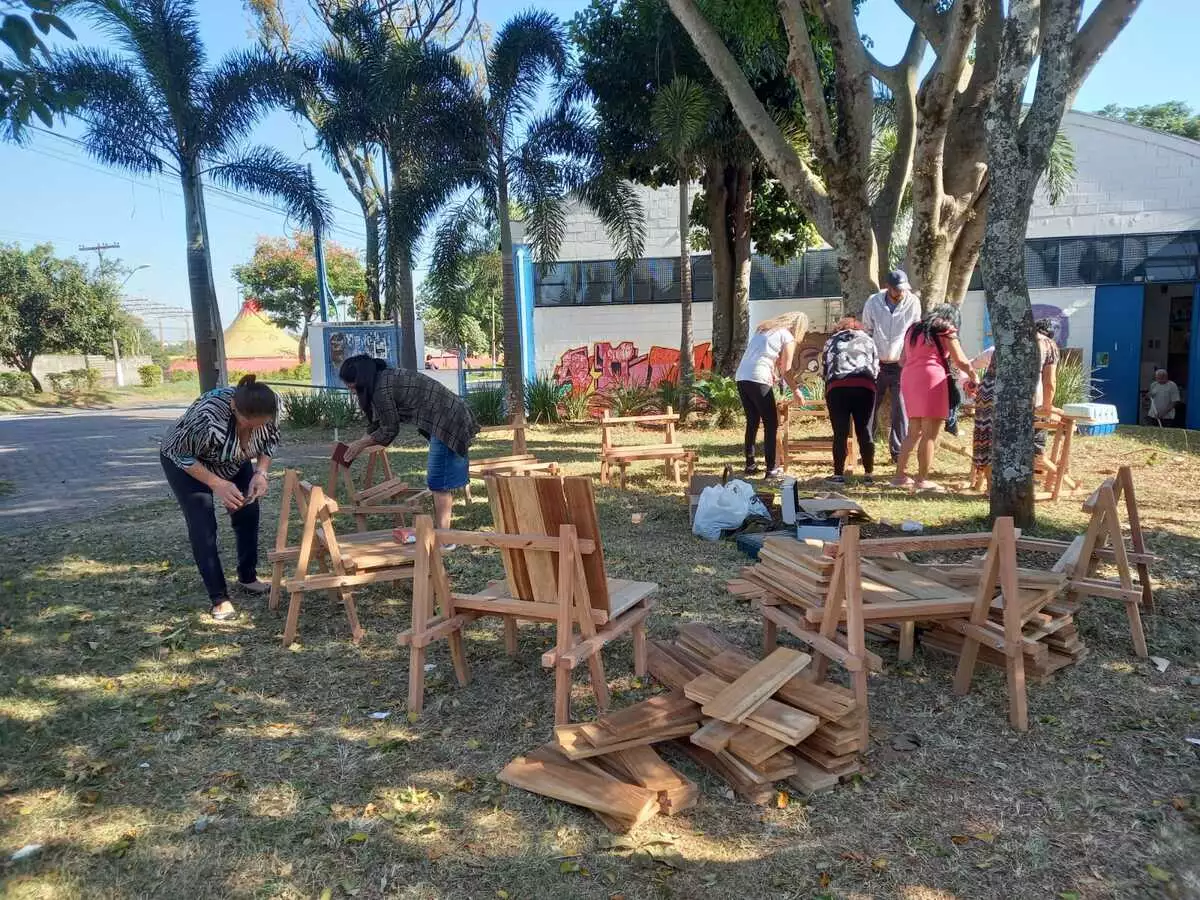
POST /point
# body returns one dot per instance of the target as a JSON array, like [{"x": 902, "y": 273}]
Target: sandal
[
  {"x": 225, "y": 616},
  {"x": 931, "y": 487},
  {"x": 901, "y": 481}
]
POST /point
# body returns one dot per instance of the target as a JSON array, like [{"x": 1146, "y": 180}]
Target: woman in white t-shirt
[{"x": 769, "y": 354}]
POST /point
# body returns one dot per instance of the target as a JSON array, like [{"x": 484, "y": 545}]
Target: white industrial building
[{"x": 1118, "y": 261}]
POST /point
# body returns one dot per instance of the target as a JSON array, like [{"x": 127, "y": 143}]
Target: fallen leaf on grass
[
  {"x": 326, "y": 894},
  {"x": 1160, "y": 663},
  {"x": 985, "y": 836},
  {"x": 1158, "y": 874},
  {"x": 879, "y": 863},
  {"x": 568, "y": 867},
  {"x": 359, "y": 837},
  {"x": 1180, "y": 803}
]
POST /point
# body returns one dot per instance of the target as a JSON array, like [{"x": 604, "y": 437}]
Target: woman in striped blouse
[{"x": 220, "y": 450}]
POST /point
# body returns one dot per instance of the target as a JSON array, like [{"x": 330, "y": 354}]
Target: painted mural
[{"x": 606, "y": 365}]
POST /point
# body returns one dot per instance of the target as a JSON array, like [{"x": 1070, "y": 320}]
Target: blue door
[
  {"x": 1117, "y": 348},
  {"x": 1193, "y": 384}
]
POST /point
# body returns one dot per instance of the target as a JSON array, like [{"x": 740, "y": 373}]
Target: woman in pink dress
[{"x": 931, "y": 351}]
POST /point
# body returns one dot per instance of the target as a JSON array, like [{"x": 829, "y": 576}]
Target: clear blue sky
[{"x": 53, "y": 192}]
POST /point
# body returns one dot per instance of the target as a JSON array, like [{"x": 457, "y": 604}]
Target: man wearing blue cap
[{"x": 887, "y": 316}]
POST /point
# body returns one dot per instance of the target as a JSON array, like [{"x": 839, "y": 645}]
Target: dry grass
[{"x": 154, "y": 753}]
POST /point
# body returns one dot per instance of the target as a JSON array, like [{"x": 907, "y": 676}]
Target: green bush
[
  {"x": 542, "y": 397},
  {"x": 721, "y": 395},
  {"x": 313, "y": 409},
  {"x": 672, "y": 394},
  {"x": 89, "y": 378},
  {"x": 180, "y": 376},
  {"x": 628, "y": 399},
  {"x": 487, "y": 406},
  {"x": 340, "y": 408},
  {"x": 15, "y": 384},
  {"x": 576, "y": 405},
  {"x": 150, "y": 376},
  {"x": 1074, "y": 383}
]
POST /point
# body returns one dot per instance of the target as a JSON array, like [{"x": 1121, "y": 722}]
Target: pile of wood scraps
[{"x": 610, "y": 767}]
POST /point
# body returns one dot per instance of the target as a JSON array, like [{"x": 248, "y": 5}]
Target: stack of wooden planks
[
  {"x": 764, "y": 720},
  {"x": 610, "y": 767},
  {"x": 795, "y": 572}
]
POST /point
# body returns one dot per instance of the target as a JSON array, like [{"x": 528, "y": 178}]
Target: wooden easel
[
  {"x": 787, "y": 449},
  {"x": 390, "y": 497},
  {"x": 1055, "y": 464},
  {"x": 520, "y": 462},
  {"x": 1104, "y": 544},
  {"x": 843, "y": 601},
  {"x": 354, "y": 560},
  {"x": 548, "y": 535}
]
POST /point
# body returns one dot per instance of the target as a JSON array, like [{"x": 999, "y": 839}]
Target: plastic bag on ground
[{"x": 721, "y": 508}]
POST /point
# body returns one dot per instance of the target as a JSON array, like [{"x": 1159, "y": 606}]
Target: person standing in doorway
[
  {"x": 390, "y": 397},
  {"x": 769, "y": 353},
  {"x": 1163, "y": 400},
  {"x": 886, "y": 317}
]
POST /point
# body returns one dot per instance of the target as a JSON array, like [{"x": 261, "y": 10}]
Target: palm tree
[
  {"x": 534, "y": 163},
  {"x": 680, "y": 117},
  {"x": 157, "y": 106},
  {"x": 417, "y": 102},
  {"x": 459, "y": 302}
]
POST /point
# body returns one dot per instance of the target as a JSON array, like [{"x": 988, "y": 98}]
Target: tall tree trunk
[
  {"x": 686, "y": 369},
  {"x": 717, "y": 195},
  {"x": 303, "y": 351},
  {"x": 206, "y": 315},
  {"x": 406, "y": 298},
  {"x": 371, "y": 217},
  {"x": 26, "y": 366},
  {"x": 857, "y": 255},
  {"x": 966, "y": 251},
  {"x": 739, "y": 225},
  {"x": 514, "y": 369}
]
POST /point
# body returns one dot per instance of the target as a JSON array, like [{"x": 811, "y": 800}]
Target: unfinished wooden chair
[
  {"x": 549, "y": 539},
  {"x": 1104, "y": 544},
  {"x": 789, "y": 450},
  {"x": 670, "y": 451},
  {"x": 343, "y": 562},
  {"x": 390, "y": 497},
  {"x": 519, "y": 462}
]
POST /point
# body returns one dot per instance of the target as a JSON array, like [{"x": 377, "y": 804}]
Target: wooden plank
[
  {"x": 668, "y": 668},
  {"x": 523, "y": 609},
  {"x": 925, "y": 543},
  {"x": 646, "y": 769},
  {"x": 575, "y": 745},
  {"x": 911, "y": 583},
  {"x": 912, "y": 610},
  {"x": 526, "y": 509},
  {"x": 776, "y": 719},
  {"x": 715, "y": 735},
  {"x": 834, "y": 765},
  {"x": 747, "y": 693},
  {"x": 810, "y": 779},
  {"x": 581, "y": 502},
  {"x": 754, "y": 747},
  {"x": 820, "y": 700},
  {"x": 657, "y": 418},
  {"x": 648, "y": 714},
  {"x": 777, "y": 767},
  {"x": 515, "y": 569},
  {"x": 746, "y": 789},
  {"x": 625, "y": 802}
]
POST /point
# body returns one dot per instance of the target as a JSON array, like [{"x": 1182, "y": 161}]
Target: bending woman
[
  {"x": 769, "y": 353},
  {"x": 931, "y": 352},
  {"x": 220, "y": 450},
  {"x": 851, "y": 364},
  {"x": 391, "y": 397}
]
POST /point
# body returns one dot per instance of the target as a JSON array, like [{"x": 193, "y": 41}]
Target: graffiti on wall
[
  {"x": 607, "y": 365},
  {"x": 1061, "y": 320}
]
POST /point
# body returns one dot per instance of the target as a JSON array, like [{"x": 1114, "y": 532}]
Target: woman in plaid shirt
[{"x": 391, "y": 397}]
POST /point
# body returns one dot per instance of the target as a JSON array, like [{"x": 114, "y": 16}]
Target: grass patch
[{"x": 154, "y": 753}]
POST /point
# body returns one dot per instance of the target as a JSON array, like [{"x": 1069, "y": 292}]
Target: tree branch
[
  {"x": 802, "y": 183},
  {"x": 1102, "y": 27},
  {"x": 941, "y": 84},
  {"x": 802, "y": 62},
  {"x": 1060, "y": 24},
  {"x": 931, "y": 23}
]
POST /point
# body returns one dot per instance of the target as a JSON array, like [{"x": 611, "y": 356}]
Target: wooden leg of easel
[
  {"x": 276, "y": 585},
  {"x": 1135, "y": 628},
  {"x": 908, "y": 633},
  {"x": 639, "y": 649},
  {"x": 770, "y": 636},
  {"x": 562, "y": 695},
  {"x": 979, "y": 616},
  {"x": 421, "y": 606},
  {"x": 624, "y": 470},
  {"x": 604, "y": 471},
  {"x": 347, "y": 598},
  {"x": 292, "y": 625},
  {"x": 1018, "y": 703},
  {"x": 510, "y": 635},
  {"x": 599, "y": 682},
  {"x": 1010, "y": 590}
]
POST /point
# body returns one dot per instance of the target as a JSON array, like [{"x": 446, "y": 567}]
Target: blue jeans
[{"x": 447, "y": 471}]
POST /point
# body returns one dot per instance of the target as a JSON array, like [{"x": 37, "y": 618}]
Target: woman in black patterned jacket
[{"x": 220, "y": 450}]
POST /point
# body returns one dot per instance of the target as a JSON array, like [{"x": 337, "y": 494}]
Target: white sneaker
[{"x": 255, "y": 587}]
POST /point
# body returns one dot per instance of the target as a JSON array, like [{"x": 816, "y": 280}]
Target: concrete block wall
[{"x": 586, "y": 239}]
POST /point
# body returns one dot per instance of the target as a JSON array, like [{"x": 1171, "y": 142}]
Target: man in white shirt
[
  {"x": 887, "y": 316},
  {"x": 1164, "y": 399}
]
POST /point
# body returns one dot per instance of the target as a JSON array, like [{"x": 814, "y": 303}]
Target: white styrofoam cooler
[{"x": 1100, "y": 418}]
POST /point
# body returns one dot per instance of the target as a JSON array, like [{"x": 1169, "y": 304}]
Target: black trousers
[
  {"x": 857, "y": 404},
  {"x": 758, "y": 400},
  {"x": 197, "y": 502}
]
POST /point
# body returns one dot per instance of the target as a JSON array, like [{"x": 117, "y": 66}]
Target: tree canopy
[
  {"x": 281, "y": 277},
  {"x": 25, "y": 92},
  {"x": 51, "y": 305},
  {"x": 1173, "y": 117}
]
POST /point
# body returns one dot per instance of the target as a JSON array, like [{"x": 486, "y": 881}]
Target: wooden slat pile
[
  {"x": 610, "y": 767},
  {"x": 765, "y": 720}
]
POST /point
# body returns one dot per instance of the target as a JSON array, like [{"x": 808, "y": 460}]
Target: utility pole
[{"x": 99, "y": 249}]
